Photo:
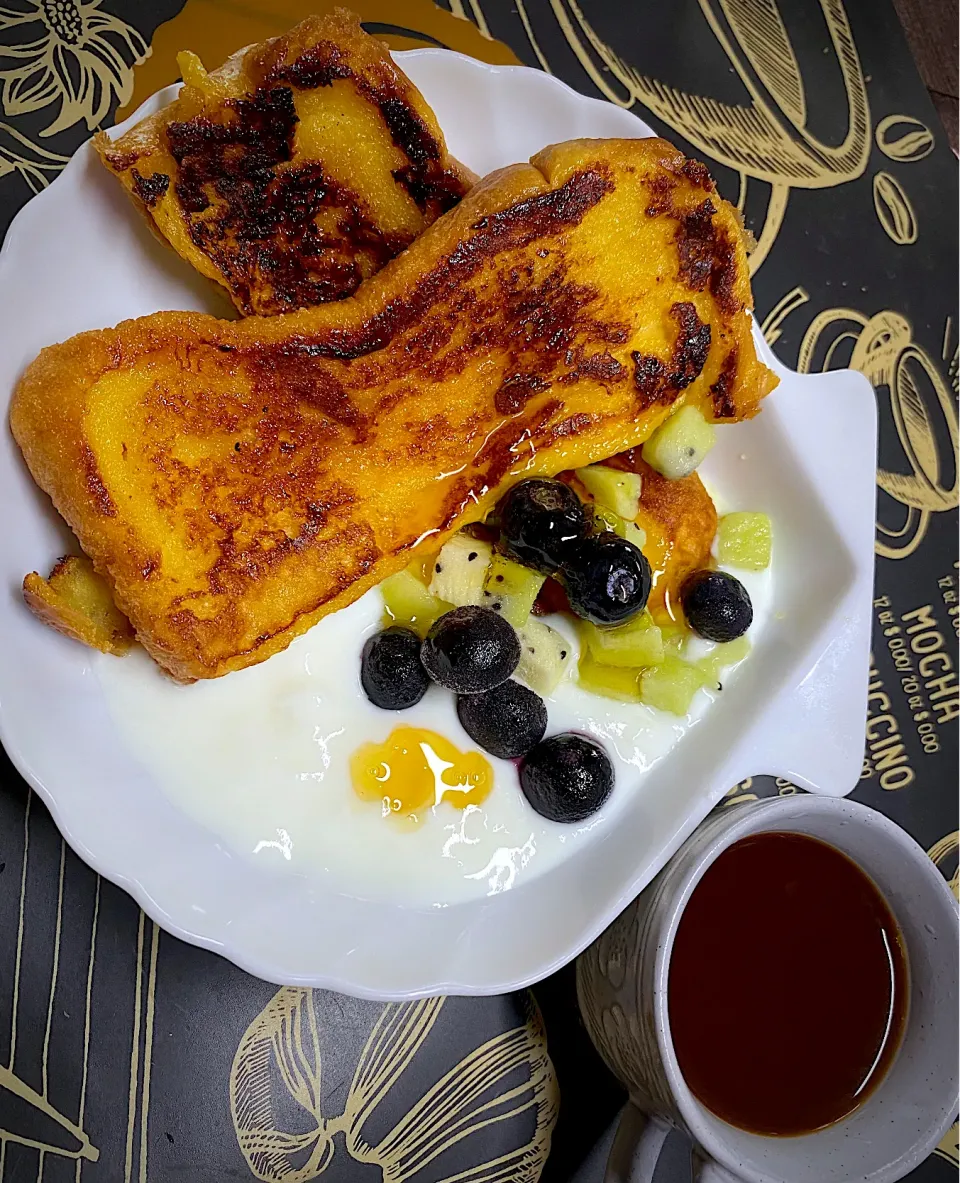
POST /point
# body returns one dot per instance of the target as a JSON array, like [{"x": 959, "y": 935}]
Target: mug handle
[{"x": 637, "y": 1146}]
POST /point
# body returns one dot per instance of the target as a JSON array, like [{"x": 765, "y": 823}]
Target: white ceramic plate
[{"x": 79, "y": 257}]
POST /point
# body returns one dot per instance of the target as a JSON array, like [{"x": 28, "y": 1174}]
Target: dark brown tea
[{"x": 787, "y": 986}]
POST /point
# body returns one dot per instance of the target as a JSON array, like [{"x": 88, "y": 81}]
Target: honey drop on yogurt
[{"x": 414, "y": 769}]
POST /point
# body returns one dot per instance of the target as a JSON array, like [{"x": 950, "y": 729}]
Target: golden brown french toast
[
  {"x": 77, "y": 602},
  {"x": 293, "y": 172},
  {"x": 237, "y": 481},
  {"x": 680, "y": 522}
]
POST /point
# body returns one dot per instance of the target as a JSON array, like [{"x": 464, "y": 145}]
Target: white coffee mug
[{"x": 622, "y": 988}]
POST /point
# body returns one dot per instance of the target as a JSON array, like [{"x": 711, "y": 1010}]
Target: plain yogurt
[{"x": 261, "y": 759}]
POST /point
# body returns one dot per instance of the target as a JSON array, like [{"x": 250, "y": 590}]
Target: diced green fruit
[
  {"x": 722, "y": 656},
  {"x": 460, "y": 569},
  {"x": 637, "y": 643},
  {"x": 409, "y": 603},
  {"x": 612, "y": 489},
  {"x": 671, "y": 686},
  {"x": 545, "y": 656},
  {"x": 679, "y": 444},
  {"x": 745, "y": 540},
  {"x": 606, "y": 520},
  {"x": 675, "y": 637},
  {"x": 609, "y": 681},
  {"x": 613, "y": 523},
  {"x": 510, "y": 589}
]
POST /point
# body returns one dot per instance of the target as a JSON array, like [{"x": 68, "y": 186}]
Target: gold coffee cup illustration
[{"x": 921, "y": 404}]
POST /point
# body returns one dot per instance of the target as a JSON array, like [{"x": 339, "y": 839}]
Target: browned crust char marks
[
  {"x": 708, "y": 256},
  {"x": 150, "y": 189},
  {"x": 502, "y": 450},
  {"x": 707, "y": 253},
  {"x": 602, "y": 366},
  {"x": 697, "y": 173},
  {"x": 356, "y": 538},
  {"x": 649, "y": 377},
  {"x": 692, "y": 347},
  {"x": 291, "y": 377},
  {"x": 510, "y": 229},
  {"x": 721, "y": 391},
  {"x": 263, "y": 224},
  {"x": 541, "y": 320},
  {"x": 516, "y": 390},
  {"x": 223, "y": 177},
  {"x": 265, "y": 221},
  {"x": 243, "y": 438},
  {"x": 432, "y": 187},
  {"x": 239, "y": 561},
  {"x": 660, "y": 382},
  {"x": 119, "y": 161},
  {"x": 95, "y": 486}
]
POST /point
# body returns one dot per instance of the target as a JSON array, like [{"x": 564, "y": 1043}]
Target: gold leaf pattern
[
  {"x": 215, "y": 30},
  {"x": 760, "y": 30},
  {"x": 903, "y": 138},
  {"x": 532, "y": 37},
  {"x": 751, "y": 139},
  {"x": 35, "y": 164},
  {"x": 765, "y": 139},
  {"x": 74, "y": 1134},
  {"x": 882, "y": 348},
  {"x": 70, "y": 53},
  {"x": 942, "y": 852},
  {"x": 894, "y": 209},
  {"x": 73, "y": 54},
  {"x": 275, "y": 1040},
  {"x": 278, "y": 1062}
]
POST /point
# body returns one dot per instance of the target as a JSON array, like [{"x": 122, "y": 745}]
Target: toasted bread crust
[
  {"x": 237, "y": 481},
  {"x": 250, "y": 173},
  {"x": 76, "y": 602},
  {"x": 680, "y": 521}
]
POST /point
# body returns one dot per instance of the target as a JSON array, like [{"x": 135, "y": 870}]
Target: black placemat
[{"x": 125, "y": 1054}]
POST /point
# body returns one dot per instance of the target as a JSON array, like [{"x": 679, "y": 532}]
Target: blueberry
[
  {"x": 506, "y": 721},
  {"x": 717, "y": 605},
  {"x": 607, "y": 579},
  {"x": 567, "y": 777},
  {"x": 391, "y": 673},
  {"x": 539, "y": 520},
  {"x": 470, "y": 650}
]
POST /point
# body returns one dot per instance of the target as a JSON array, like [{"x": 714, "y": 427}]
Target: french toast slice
[
  {"x": 679, "y": 519},
  {"x": 293, "y": 172},
  {"x": 234, "y": 482},
  {"x": 77, "y": 602}
]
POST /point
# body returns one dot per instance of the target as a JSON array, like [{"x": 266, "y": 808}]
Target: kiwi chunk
[
  {"x": 722, "y": 656},
  {"x": 613, "y": 523},
  {"x": 671, "y": 686},
  {"x": 614, "y": 490},
  {"x": 409, "y": 603},
  {"x": 679, "y": 444},
  {"x": 635, "y": 644},
  {"x": 745, "y": 540},
  {"x": 511, "y": 589},
  {"x": 610, "y": 681}
]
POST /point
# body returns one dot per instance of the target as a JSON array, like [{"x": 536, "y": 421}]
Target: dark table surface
[
  {"x": 931, "y": 30},
  {"x": 128, "y": 1055}
]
